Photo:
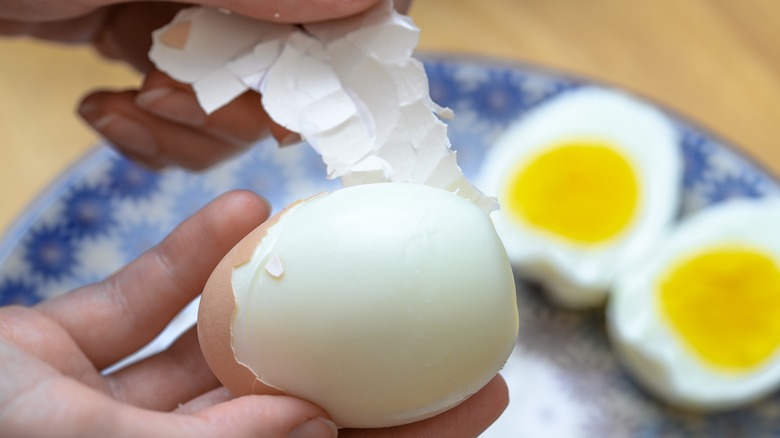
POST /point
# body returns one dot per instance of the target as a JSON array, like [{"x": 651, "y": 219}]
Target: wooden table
[{"x": 714, "y": 61}]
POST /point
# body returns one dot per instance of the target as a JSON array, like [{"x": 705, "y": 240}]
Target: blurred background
[{"x": 717, "y": 62}]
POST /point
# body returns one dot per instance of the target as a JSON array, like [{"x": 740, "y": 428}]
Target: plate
[{"x": 564, "y": 381}]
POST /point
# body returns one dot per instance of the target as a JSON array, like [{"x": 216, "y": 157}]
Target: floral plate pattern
[{"x": 564, "y": 381}]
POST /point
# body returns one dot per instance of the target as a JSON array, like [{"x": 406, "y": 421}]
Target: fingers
[
  {"x": 113, "y": 318},
  {"x": 402, "y": 6},
  {"x": 249, "y": 416},
  {"x": 243, "y": 121},
  {"x": 286, "y": 11},
  {"x": 47, "y": 405},
  {"x": 125, "y": 31},
  {"x": 294, "y": 11},
  {"x": 164, "y": 381},
  {"x": 267, "y": 416},
  {"x": 163, "y": 124},
  {"x": 79, "y": 29},
  {"x": 467, "y": 420},
  {"x": 205, "y": 400},
  {"x": 151, "y": 140},
  {"x": 33, "y": 333}
]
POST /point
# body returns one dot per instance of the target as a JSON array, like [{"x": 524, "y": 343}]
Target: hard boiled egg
[
  {"x": 698, "y": 320},
  {"x": 585, "y": 182},
  {"x": 383, "y": 304}
]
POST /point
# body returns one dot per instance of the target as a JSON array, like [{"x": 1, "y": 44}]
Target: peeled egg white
[
  {"x": 730, "y": 317},
  {"x": 577, "y": 272},
  {"x": 383, "y": 304}
]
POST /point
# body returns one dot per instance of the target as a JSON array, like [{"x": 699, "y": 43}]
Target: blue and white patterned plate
[{"x": 563, "y": 379}]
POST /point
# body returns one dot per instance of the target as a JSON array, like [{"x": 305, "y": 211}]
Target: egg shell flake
[
  {"x": 215, "y": 316},
  {"x": 647, "y": 342},
  {"x": 349, "y": 86},
  {"x": 575, "y": 274},
  {"x": 396, "y": 303}
]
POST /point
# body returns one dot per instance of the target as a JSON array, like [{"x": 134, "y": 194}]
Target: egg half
[
  {"x": 384, "y": 304},
  {"x": 586, "y": 182},
  {"x": 698, "y": 321}
]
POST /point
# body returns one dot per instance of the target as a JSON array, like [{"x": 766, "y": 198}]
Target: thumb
[
  {"x": 293, "y": 11},
  {"x": 264, "y": 416},
  {"x": 50, "y": 404},
  {"x": 284, "y": 11}
]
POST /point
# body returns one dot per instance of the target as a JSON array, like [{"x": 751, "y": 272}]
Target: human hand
[
  {"x": 162, "y": 124},
  {"x": 52, "y": 355}
]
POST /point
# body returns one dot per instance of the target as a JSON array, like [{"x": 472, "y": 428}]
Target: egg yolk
[
  {"x": 725, "y": 305},
  {"x": 583, "y": 191}
]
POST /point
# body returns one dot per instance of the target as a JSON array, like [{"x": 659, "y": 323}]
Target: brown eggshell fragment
[
  {"x": 177, "y": 35},
  {"x": 215, "y": 317}
]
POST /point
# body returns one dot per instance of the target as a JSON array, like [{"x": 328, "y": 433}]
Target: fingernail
[
  {"x": 128, "y": 134},
  {"x": 268, "y": 205},
  {"x": 87, "y": 109},
  {"x": 315, "y": 428},
  {"x": 173, "y": 105},
  {"x": 290, "y": 139}
]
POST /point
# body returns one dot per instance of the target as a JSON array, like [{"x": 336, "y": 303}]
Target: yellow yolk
[
  {"x": 583, "y": 191},
  {"x": 725, "y": 305}
]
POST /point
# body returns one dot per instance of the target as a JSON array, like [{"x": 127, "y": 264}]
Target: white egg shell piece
[
  {"x": 383, "y": 303},
  {"x": 350, "y": 87},
  {"x": 646, "y": 344},
  {"x": 577, "y": 275}
]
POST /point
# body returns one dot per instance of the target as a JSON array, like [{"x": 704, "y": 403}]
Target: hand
[
  {"x": 51, "y": 355},
  {"x": 162, "y": 124}
]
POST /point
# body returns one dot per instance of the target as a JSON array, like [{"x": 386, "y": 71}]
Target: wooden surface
[{"x": 714, "y": 61}]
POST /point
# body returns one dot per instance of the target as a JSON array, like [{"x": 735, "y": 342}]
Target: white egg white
[
  {"x": 577, "y": 275},
  {"x": 650, "y": 348},
  {"x": 383, "y": 303}
]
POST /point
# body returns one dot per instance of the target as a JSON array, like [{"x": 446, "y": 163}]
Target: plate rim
[
  {"x": 584, "y": 79},
  {"x": 52, "y": 190}
]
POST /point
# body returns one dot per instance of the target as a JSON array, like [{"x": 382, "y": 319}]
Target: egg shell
[
  {"x": 490, "y": 335},
  {"x": 215, "y": 316}
]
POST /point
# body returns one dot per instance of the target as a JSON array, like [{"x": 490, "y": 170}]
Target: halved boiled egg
[
  {"x": 698, "y": 320},
  {"x": 585, "y": 182}
]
